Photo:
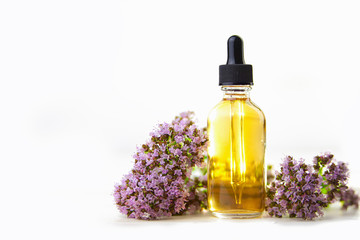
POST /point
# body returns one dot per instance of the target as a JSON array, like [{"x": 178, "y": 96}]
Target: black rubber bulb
[{"x": 235, "y": 51}]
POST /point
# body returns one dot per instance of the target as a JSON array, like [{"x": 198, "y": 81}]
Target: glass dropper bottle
[{"x": 236, "y": 129}]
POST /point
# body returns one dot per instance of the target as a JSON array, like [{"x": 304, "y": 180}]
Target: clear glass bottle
[{"x": 237, "y": 136}]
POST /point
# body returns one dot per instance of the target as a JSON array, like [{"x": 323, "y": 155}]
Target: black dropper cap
[{"x": 235, "y": 72}]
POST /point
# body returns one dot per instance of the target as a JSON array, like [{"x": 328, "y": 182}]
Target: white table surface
[{"x": 73, "y": 200}]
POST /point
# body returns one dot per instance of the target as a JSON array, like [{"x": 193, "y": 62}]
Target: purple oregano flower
[
  {"x": 296, "y": 191},
  {"x": 335, "y": 175},
  {"x": 302, "y": 190},
  {"x": 161, "y": 183}
]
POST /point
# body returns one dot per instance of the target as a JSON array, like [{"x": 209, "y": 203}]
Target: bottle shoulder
[
  {"x": 258, "y": 109},
  {"x": 224, "y": 108}
]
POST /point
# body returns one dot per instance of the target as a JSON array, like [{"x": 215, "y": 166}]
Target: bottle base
[{"x": 237, "y": 214}]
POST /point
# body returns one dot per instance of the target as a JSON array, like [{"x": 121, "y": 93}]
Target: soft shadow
[
  {"x": 331, "y": 214},
  {"x": 190, "y": 218}
]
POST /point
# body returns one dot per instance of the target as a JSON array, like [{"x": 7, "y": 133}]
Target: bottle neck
[{"x": 236, "y": 92}]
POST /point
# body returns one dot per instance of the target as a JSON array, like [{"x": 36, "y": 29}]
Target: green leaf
[{"x": 188, "y": 139}]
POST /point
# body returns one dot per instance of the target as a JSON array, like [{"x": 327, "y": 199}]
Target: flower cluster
[
  {"x": 349, "y": 198},
  {"x": 197, "y": 194},
  {"x": 161, "y": 182},
  {"x": 303, "y": 190},
  {"x": 296, "y": 191},
  {"x": 335, "y": 175}
]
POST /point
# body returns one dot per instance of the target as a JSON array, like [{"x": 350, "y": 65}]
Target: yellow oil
[{"x": 236, "y": 180}]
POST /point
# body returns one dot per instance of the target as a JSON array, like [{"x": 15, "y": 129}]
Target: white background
[{"x": 84, "y": 82}]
